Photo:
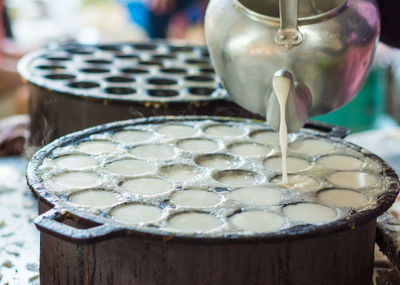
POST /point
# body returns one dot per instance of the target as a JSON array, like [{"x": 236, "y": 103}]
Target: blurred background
[
  {"x": 30, "y": 24},
  {"x": 27, "y": 25}
]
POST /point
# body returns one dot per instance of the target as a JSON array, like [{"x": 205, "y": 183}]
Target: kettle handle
[{"x": 288, "y": 34}]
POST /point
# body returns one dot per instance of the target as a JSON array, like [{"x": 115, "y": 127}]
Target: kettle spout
[{"x": 298, "y": 104}]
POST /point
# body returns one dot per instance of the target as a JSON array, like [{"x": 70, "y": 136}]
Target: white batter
[
  {"x": 310, "y": 213},
  {"x": 301, "y": 183},
  {"x": 341, "y": 162},
  {"x": 249, "y": 149},
  {"x": 180, "y": 173},
  {"x": 97, "y": 147},
  {"x": 153, "y": 151},
  {"x": 130, "y": 167},
  {"x": 352, "y": 179},
  {"x": 93, "y": 198},
  {"x": 217, "y": 161},
  {"x": 314, "y": 147},
  {"x": 134, "y": 214},
  {"x": 194, "y": 198},
  {"x": 281, "y": 88},
  {"x": 257, "y": 221},
  {"x": 266, "y": 137},
  {"x": 146, "y": 186},
  {"x": 195, "y": 222},
  {"x": 343, "y": 198},
  {"x": 130, "y": 137},
  {"x": 257, "y": 195},
  {"x": 198, "y": 145},
  {"x": 224, "y": 131},
  {"x": 236, "y": 178},
  {"x": 76, "y": 180},
  {"x": 294, "y": 164},
  {"x": 76, "y": 161},
  {"x": 177, "y": 131}
]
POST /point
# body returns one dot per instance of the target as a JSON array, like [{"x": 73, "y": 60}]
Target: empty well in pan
[{"x": 75, "y": 86}]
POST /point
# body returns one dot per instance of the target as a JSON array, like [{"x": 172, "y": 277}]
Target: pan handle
[
  {"x": 328, "y": 129},
  {"x": 51, "y": 222}
]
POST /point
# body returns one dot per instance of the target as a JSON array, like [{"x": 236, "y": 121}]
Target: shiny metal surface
[
  {"x": 339, "y": 41},
  {"x": 297, "y": 105}
]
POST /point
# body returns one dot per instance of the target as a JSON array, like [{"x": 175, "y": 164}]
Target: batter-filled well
[
  {"x": 146, "y": 186},
  {"x": 76, "y": 161},
  {"x": 177, "y": 131},
  {"x": 217, "y": 161},
  {"x": 96, "y": 147},
  {"x": 153, "y": 151},
  {"x": 257, "y": 221},
  {"x": 95, "y": 198},
  {"x": 132, "y": 136},
  {"x": 130, "y": 167}
]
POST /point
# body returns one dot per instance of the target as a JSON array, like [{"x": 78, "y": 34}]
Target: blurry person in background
[
  {"x": 13, "y": 130},
  {"x": 166, "y": 18},
  {"x": 9, "y": 54},
  {"x": 14, "y": 134}
]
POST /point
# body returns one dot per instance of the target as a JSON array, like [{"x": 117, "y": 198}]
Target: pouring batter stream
[{"x": 281, "y": 87}]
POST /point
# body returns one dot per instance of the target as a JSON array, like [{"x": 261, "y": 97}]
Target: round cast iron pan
[{"x": 96, "y": 228}]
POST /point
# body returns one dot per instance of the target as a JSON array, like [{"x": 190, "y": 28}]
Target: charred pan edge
[
  {"x": 115, "y": 229},
  {"x": 388, "y": 238}
]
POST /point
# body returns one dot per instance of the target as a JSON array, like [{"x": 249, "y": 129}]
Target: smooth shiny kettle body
[{"x": 328, "y": 65}]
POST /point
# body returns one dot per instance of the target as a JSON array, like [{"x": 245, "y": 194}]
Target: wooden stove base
[
  {"x": 54, "y": 114},
  {"x": 340, "y": 258}
]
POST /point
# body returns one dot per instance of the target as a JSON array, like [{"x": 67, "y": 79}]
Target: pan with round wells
[
  {"x": 199, "y": 200},
  {"x": 76, "y": 86}
]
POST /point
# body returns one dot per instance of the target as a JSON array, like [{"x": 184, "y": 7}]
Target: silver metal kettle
[{"x": 325, "y": 47}]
